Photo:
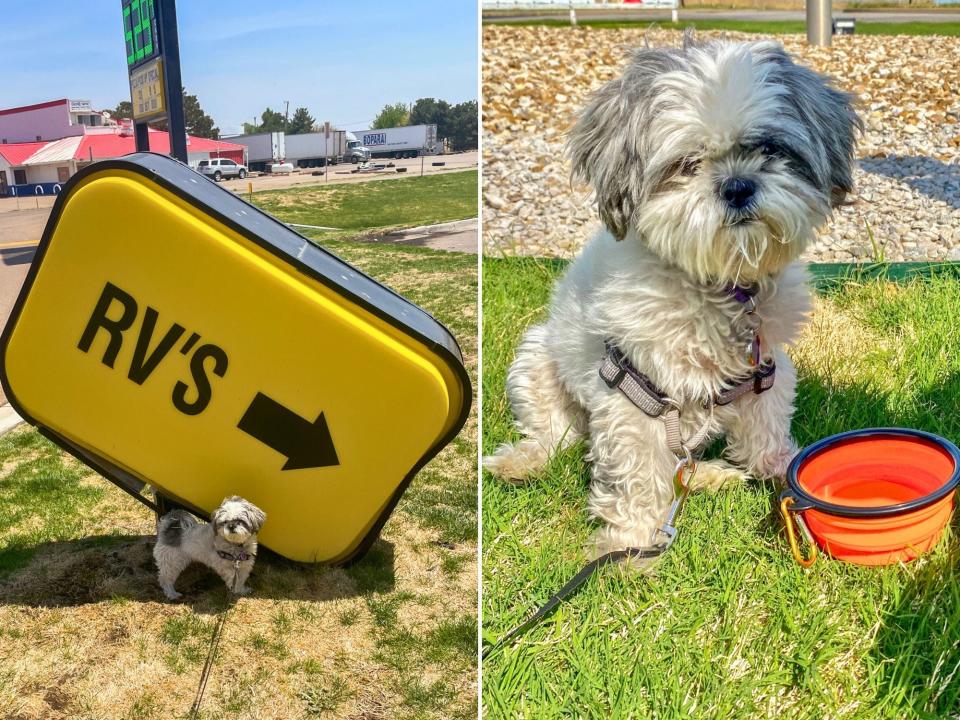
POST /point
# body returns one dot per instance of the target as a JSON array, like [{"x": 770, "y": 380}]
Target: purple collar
[
  {"x": 741, "y": 294},
  {"x": 241, "y": 556}
]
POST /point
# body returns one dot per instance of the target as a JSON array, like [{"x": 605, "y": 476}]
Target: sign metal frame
[{"x": 274, "y": 237}]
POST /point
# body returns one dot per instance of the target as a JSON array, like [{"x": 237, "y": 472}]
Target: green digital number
[{"x": 139, "y": 30}]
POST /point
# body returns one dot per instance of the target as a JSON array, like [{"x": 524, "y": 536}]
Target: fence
[{"x": 575, "y": 4}]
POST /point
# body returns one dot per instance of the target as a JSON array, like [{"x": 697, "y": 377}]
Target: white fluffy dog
[
  {"x": 712, "y": 165},
  {"x": 227, "y": 544}
]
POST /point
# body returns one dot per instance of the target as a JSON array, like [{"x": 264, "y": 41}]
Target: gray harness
[{"x": 618, "y": 372}]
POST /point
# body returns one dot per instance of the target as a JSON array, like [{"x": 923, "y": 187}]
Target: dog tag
[{"x": 172, "y": 334}]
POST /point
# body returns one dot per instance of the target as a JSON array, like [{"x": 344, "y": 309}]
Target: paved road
[
  {"x": 15, "y": 259},
  {"x": 344, "y": 173},
  {"x": 24, "y": 226},
  {"x": 659, "y": 15},
  {"x": 459, "y": 236}
]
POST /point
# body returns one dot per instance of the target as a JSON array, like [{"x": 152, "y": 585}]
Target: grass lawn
[
  {"x": 729, "y": 626},
  {"x": 772, "y": 27},
  {"x": 86, "y": 633},
  {"x": 375, "y": 206}
]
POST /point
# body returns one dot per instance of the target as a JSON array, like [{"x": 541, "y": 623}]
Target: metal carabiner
[
  {"x": 681, "y": 489},
  {"x": 788, "y": 520}
]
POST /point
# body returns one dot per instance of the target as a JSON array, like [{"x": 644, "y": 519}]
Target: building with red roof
[{"x": 69, "y": 136}]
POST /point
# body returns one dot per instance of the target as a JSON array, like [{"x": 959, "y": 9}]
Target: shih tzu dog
[
  {"x": 227, "y": 544},
  {"x": 712, "y": 165}
]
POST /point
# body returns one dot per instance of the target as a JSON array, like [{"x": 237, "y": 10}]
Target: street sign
[
  {"x": 146, "y": 91},
  {"x": 171, "y": 333}
]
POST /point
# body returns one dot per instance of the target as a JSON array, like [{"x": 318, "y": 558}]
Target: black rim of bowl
[{"x": 805, "y": 501}]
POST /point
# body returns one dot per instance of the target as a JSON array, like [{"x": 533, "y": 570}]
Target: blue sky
[{"x": 342, "y": 60}]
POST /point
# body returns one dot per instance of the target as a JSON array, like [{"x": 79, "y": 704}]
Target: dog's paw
[
  {"x": 243, "y": 590},
  {"x": 514, "y": 462},
  {"x": 774, "y": 465},
  {"x": 172, "y": 594},
  {"x": 713, "y": 475}
]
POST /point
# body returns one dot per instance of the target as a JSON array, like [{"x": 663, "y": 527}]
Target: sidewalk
[
  {"x": 8, "y": 419},
  {"x": 458, "y": 236}
]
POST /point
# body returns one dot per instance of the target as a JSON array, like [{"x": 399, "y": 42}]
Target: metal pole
[
  {"x": 173, "y": 86},
  {"x": 819, "y": 22},
  {"x": 141, "y": 135}
]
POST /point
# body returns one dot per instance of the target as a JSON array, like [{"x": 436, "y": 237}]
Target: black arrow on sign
[{"x": 306, "y": 444}]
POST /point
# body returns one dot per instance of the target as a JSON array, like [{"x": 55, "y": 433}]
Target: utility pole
[{"x": 286, "y": 117}]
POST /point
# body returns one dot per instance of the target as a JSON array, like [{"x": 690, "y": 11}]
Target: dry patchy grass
[{"x": 86, "y": 633}]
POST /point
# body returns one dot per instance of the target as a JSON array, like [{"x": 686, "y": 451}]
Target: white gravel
[{"x": 908, "y": 179}]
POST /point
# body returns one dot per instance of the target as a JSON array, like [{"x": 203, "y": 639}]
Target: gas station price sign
[{"x": 140, "y": 31}]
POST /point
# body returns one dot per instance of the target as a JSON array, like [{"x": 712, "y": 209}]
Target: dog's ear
[
  {"x": 841, "y": 127},
  {"x": 827, "y": 115},
  {"x": 600, "y": 155},
  {"x": 606, "y": 145},
  {"x": 255, "y": 516}
]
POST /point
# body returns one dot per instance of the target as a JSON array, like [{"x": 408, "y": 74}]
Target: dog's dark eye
[
  {"x": 769, "y": 148},
  {"x": 689, "y": 167}
]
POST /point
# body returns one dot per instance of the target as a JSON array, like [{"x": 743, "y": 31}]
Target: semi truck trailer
[
  {"x": 401, "y": 142},
  {"x": 316, "y": 149},
  {"x": 304, "y": 150},
  {"x": 263, "y": 149}
]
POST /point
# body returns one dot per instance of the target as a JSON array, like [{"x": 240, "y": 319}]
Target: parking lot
[{"x": 344, "y": 172}]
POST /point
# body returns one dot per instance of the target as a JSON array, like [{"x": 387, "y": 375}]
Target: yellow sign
[
  {"x": 146, "y": 90},
  {"x": 171, "y": 332}
]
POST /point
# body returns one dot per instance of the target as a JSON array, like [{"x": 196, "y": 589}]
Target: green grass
[
  {"x": 41, "y": 500},
  {"x": 770, "y": 27},
  {"x": 324, "y": 696},
  {"x": 375, "y": 206},
  {"x": 728, "y": 626},
  {"x": 187, "y": 637}
]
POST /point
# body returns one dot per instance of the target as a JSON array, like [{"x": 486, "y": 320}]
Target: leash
[
  {"x": 217, "y": 633},
  {"x": 668, "y": 529}
]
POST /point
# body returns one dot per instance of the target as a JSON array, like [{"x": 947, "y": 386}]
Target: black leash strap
[
  {"x": 575, "y": 583},
  {"x": 214, "y": 646}
]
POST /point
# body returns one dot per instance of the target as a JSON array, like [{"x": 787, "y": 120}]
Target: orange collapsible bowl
[{"x": 877, "y": 496}]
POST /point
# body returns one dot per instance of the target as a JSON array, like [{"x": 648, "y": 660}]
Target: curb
[{"x": 8, "y": 419}]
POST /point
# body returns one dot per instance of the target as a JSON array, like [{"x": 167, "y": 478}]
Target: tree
[
  {"x": 463, "y": 134},
  {"x": 124, "y": 109},
  {"x": 395, "y": 115},
  {"x": 427, "y": 111},
  {"x": 198, "y": 123},
  {"x": 301, "y": 122},
  {"x": 270, "y": 121}
]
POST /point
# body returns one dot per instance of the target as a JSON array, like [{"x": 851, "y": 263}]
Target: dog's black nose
[{"x": 738, "y": 192}]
